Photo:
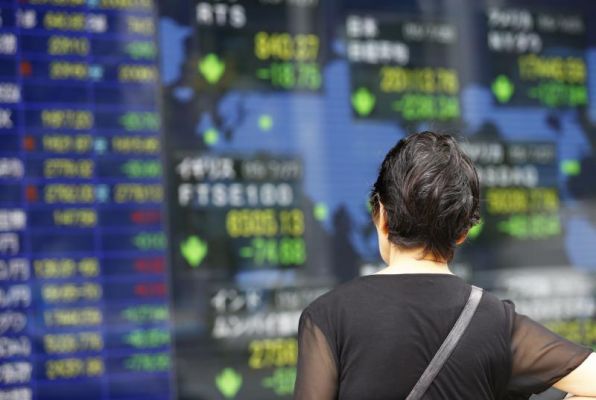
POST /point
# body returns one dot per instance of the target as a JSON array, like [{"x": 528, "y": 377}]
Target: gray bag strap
[{"x": 448, "y": 345}]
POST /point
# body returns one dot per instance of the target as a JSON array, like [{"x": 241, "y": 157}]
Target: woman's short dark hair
[{"x": 430, "y": 191}]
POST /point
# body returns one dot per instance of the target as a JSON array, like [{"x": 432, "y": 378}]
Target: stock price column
[
  {"x": 84, "y": 124},
  {"x": 537, "y": 58},
  {"x": 402, "y": 69},
  {"x": 520, "y": 207},
  {"x": 237, "y": 225},
  {"x": 255, "y": 45},
  {"x": 239, "y": 229},
  {"x": 132, "y": 242}
]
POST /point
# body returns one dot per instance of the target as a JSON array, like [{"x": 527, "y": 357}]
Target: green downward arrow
[
  {"x": 228, "y": 382},
  {"x": 212, "y": 68},
  {"x": 193, "y": 250},
  {"x": 503, "y": 88},
  {"x": 363, "y": 101}
]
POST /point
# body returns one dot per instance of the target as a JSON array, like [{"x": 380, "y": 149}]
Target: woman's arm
[
  {"x": 582, "y": 380},
  {"x": 316, "y": 374},
  {"x": 542, "y": 359}
]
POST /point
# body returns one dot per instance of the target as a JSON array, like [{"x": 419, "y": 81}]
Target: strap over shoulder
[{"x": 448, "y": 345}]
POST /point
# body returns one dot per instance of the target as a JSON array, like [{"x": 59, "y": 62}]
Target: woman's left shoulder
[{"x": 335, "y": 297}]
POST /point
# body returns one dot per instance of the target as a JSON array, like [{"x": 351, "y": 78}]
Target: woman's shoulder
[
  {"x": 331, "y": 309},
  {"x": 336, "y": 296},
  {"x": 362, "y": 290}
]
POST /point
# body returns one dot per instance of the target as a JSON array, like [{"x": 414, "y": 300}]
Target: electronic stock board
[{"x": 178, "y": 180}]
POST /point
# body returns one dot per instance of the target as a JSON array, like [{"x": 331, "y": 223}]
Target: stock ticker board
[
  {"x": 83, "y": 306},
  {"x": 257, "y": 127}
]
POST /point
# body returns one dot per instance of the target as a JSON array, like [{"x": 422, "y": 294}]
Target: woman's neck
[{"x": 413, "y": 262}]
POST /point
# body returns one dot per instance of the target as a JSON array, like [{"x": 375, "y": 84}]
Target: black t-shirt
[{"x": 373, "y": 337}]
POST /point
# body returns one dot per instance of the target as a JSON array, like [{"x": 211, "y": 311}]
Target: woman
[{"x": 373, "y": 337}]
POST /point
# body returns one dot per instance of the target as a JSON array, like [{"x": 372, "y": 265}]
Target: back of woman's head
[{"x": 430, "y": 192}]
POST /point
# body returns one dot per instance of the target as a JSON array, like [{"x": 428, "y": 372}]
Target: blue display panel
[
  {"x": 277, "y": 114},
  {"x": 83, "y": 294}
]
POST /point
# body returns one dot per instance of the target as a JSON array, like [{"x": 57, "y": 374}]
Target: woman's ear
[
  {"x": 382, "y": 222},
  {"x": 462, "y": 238},
  {"x": 383, "y": 234}
]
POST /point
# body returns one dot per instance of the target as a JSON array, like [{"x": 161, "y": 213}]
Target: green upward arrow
[
  {"x": 363, "y": 101},
  {"x": 212, "y": 68},
  {"x": 193, "y": 250},
  {"x": 503, "y": 88}
]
